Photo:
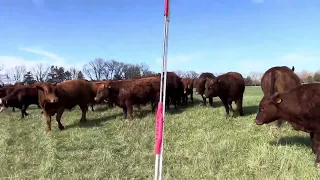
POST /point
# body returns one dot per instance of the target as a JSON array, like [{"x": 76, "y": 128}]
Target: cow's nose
[
  {"x": 204, "y": 95},
  {"x": 55, "y": 100},
  {"x": 96, "y": 99}
]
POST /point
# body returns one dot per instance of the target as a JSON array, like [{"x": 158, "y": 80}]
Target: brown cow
[
  {"x": 141, "y": 92},
  {"x": 229, "y": 87},
  {"x": 200, "y": 86},
  {"x": 188, "y": 89},
  {"x": 55, "y": 98},
  {"x": 20, "y": 97},
  {"x": 6, "y": 90},
  {"x": 279, "y": 79},
  {"x": 298, "y": 106},
  {"x": 174, "y": 87},
  {"x": 111, "y": 91},
  {"x": 96, "y": 85}
]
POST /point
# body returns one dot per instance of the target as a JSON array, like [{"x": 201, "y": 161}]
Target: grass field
[{"x": 199, "y": 144}]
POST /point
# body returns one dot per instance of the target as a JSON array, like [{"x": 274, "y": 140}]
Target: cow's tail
[{"x": 272, "y": 85}]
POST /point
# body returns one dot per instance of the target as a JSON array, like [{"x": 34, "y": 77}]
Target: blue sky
[{"x": 208, "y": 35}]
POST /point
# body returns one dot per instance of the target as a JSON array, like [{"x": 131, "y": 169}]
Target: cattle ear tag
[{"x": 278, "y": 100}]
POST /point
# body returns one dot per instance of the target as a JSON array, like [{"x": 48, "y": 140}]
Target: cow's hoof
[{"x": 61, "y": 128}]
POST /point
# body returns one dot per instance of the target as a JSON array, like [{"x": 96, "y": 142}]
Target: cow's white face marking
[{"x": 0, "y": 101}]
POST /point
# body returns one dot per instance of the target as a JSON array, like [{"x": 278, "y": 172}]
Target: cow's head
[
  {"x": 201, "y": 86},
  {"x": 49, "y": 91},
  {"x": 268, "y": 109},
  {"x": 212, "y": 87},
  {"x": 103, "y": 92}
]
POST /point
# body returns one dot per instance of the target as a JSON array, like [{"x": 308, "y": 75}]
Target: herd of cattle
[{"x": 285, "y": 98}]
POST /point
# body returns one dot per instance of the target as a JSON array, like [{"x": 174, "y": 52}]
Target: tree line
[
  {"x": 96, "y": 70},
  {"x": 100, "y": 69}
]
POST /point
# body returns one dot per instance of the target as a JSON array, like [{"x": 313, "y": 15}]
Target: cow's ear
[
  {"x": 276, "y": 98},
  {"x": 292, "y": 69},
  {"x": 39, "y": 87}
]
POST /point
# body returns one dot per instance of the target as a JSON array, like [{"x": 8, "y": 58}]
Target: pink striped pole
[{"x": 160, "y": 116}]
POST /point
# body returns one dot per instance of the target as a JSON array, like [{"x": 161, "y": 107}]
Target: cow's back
[
  {"x": 73, "y": 92},
  {"x": 283, "y": 78}
]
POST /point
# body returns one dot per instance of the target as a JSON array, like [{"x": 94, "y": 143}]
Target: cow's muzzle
[
  {"x": 258, "y": 122},
  {"x": 54, "y": 100}
]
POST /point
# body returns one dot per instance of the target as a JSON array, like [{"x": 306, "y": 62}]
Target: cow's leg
[
  {"x": 226, "y": 106},
  {"x": 185, "y": 99},
  {"x": 13, "y": 109},
  {"x": 91, "y": 107},
  {"x": 316, "y": 141},
  {"x": 58, "y": 118},
  {"x": 211, "y": 101},
  {"x": 175, "y": 102},
  {"x": 47, "y": 116},
  {"x": 191, "y": 97},
  {"x": 84, "y": 109},
  {"x": 38, "y": 106},
  {"x": 23, "y": 111},
  {"x": 204, "y": 100},
  {"x": 130, "y": 110},
  {"x": 239, "y": 106},
  {"x": 125, "y": 112},
  {"x": 230, "y": 106}
]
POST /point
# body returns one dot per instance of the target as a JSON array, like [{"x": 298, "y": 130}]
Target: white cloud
[
  {"x": 45, "y": 57},
  {"x": 258, "y": 1}
]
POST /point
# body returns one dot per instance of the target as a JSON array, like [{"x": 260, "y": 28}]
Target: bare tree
[
  {"x": 2, "y": 76},
  {"x": 74, "y": 73},
  {"x": 95, "y": 69},
  {"x": 256, "y": 77},
  {"x": 190, "y": 74},
  {"x": 40, "y": 72},
  {"x": 303, "y": 75},
  {"x": 179, "y": 73},
  {"x": 16, "y": 73}
]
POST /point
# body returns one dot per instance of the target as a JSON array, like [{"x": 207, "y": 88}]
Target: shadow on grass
[
  {"x": 196, "y": 102},
  {"x": 93, "y": 122},
  {"x": 293, "y": 140},
  {"x": 249, "y": 110},
  {"x": 100, "y": 108}
]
